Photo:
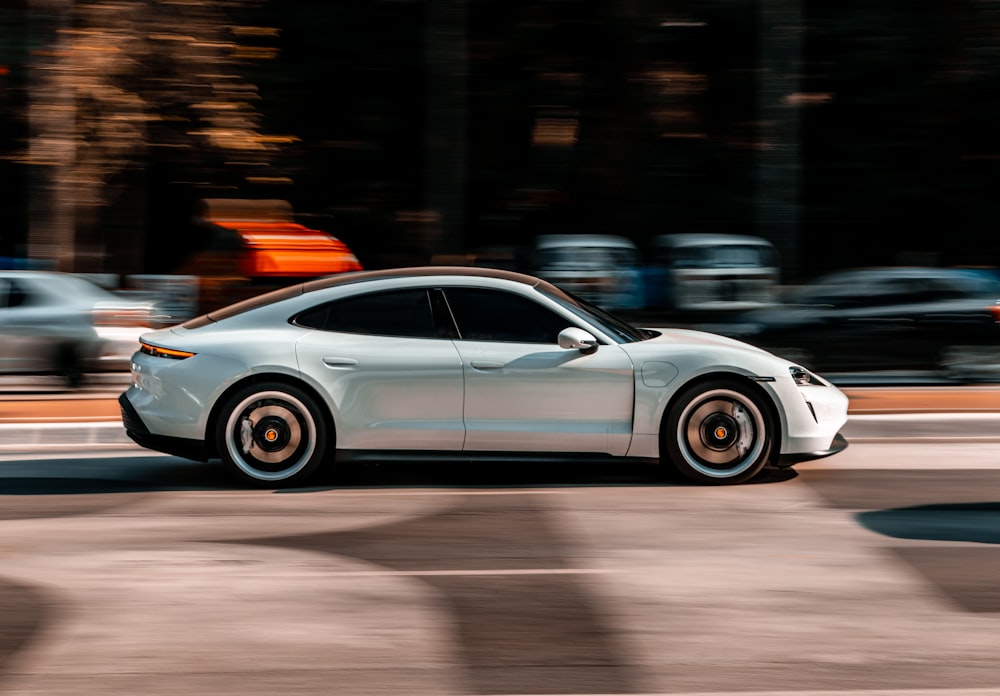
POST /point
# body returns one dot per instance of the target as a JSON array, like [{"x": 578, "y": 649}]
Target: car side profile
[{"x": 453, "y": 362}]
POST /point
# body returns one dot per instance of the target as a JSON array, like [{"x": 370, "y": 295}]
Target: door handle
[
  {"x": 334, "y": 362},
  {"x": 487, "y": 365}
]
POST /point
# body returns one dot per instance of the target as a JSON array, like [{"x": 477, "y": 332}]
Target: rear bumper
[{"x": 176, "y": 446}]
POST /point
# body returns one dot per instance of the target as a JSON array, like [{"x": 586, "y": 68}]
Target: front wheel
[
  {"x": 271, "y": 435},
  {"x": 717, "y": 433}
]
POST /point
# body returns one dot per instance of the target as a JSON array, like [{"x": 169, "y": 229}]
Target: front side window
[
  {"x": 403, "y": 313},
  {"x": 492, "y": 315}
]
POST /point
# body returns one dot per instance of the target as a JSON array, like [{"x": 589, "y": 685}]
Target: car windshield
[
  {"x": 618, "y": 329},
  {"x": 720, "y": 256},
  {"x": 588, "y": 257}
]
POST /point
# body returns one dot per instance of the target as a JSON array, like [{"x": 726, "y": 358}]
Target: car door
[
  {"x": 396, "y": 384},
  {"x": 26, "y": 337},
  {"x": 883, "y": 329},
  {"x": 523, "y": 393}
]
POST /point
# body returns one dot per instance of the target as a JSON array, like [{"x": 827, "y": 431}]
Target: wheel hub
[
  {"x": 719, "y": 431},
  {"x": 271, "y": 434}
]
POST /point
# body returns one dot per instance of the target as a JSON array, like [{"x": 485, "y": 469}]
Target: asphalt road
[{"x": 871, "y": 572}]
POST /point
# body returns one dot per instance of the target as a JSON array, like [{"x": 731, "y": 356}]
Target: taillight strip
[{"x": 158, "y": 352}]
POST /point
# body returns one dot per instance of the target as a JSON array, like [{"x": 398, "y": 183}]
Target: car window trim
[{"x": 447, "y": 327}]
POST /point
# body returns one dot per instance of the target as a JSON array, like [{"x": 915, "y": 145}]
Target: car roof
[
  {"x": 547, "y": 241},
  {"x": 362, "y": 277},
  {"x": 24, "y": 273},
  {"x": 55, "y": 282},
  {"x": 707, "y": 239},
  {"x": 909, "y": 272}
]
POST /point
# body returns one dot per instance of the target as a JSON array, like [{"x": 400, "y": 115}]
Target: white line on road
[
  {"x": 439, "y": 573},
  {"x": 797, "y": 692}
]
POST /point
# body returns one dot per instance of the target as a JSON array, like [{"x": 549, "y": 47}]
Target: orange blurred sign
[{"x": 274, "y": 246}]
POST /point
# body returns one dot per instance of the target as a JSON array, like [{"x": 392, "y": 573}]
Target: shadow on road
[
  {"x": 972, "y": 522},
  {"x": 67, "y": 477}
]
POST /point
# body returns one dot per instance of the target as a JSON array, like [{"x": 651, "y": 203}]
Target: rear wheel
[
  {"x": 718, "y": 432},
  {"x": 271, "y": 435},
  {"x": 970, "y": 363},
  {"x": 67, "y": 362}
]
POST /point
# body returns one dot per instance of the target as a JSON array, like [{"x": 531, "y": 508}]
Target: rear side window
[
  {"x": 404, "y": 313},
  {"x": 491, "y": 315},
  {"x": 12, "y": 294}
]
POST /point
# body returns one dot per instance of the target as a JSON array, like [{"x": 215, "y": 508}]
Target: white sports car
[{"x": 465, "y": 363}]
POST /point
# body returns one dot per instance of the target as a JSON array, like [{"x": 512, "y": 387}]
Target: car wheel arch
[
  {"x": 266, "y": 378},
  {"x": 774, "y": 412}
]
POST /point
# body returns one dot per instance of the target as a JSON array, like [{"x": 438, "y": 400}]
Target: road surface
[{"x": 871, "y": 572}]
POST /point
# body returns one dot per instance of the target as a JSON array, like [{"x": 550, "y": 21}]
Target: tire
[
  {"x": 718, "y": 432},
  {"x": 271, "y": 435},
  {"x": 68, "y": 364}
]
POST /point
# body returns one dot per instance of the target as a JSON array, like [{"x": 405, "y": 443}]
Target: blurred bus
[
  {"x": 601, "y": 268},
  {"x": 707, "y": 272}
]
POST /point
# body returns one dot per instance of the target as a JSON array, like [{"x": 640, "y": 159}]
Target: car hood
[
  {"x": 699, "y": 351},
  {"x": 698, "y": 340}
]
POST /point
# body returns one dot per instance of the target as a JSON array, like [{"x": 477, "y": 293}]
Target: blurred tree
[
  {"x": 120, "y": 84},
  {"x": 13, "y": 77},
  {"x": 636, "y": 117},
  {"x": 350, "y": 85}
]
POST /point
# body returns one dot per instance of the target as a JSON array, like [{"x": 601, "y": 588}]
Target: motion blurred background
[{"x": 846, "y": 134}]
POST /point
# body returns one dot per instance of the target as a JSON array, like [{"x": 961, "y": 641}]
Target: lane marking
[
  {"x": 909, "y": 417},
  {"x": 59, "y": 424},
  {"x": 947, "y": 691},
  {"x": 457, "y": 572},
  {"x": 14, "y": 422},
  {"x": 922, "y": 439}
]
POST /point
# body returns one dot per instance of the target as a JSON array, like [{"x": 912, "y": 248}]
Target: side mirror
[{"x": 577, "y": 338}]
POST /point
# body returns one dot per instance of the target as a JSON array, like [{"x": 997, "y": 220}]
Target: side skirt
[{"x": 447, "y": 456}]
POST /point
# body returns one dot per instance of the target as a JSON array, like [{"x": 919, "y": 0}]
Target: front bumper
[{"x": 839, "y": 444}]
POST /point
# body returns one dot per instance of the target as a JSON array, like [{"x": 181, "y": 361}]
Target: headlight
[{"x": 804, "y": 377}]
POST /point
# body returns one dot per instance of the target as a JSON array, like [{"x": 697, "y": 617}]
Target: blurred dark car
[
  {"x": 889, "y": 318},
  {"x": 60, "y": 323}
]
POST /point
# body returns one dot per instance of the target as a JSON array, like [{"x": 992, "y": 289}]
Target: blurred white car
[
  {"x": 60, "y": 323},
  {"x": 468, "y": 363}
]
